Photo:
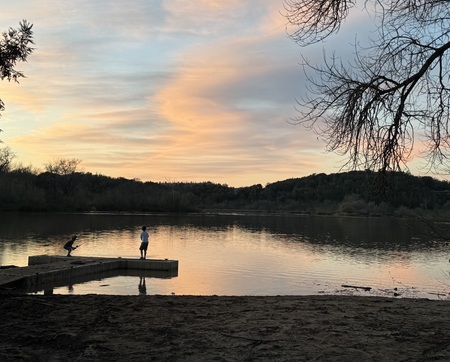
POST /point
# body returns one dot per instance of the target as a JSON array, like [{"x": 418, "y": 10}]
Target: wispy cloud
[{"x": 161, "y": 90}]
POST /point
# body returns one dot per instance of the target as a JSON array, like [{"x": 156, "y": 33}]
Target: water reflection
[
  {"x": 386, "y": 233},
  {"x": 241, "y": 254},
  {"x": 142, "y": 288},
  {"x": 69, "y": 286}
]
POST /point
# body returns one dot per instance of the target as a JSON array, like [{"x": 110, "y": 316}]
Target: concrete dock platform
[{"x": 47, "y": 269}]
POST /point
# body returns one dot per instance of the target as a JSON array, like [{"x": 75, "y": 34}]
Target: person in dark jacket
[{"x": 69, "y": 245}]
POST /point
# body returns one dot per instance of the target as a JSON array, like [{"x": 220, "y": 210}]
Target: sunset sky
[{"x": 165, "y": 90}]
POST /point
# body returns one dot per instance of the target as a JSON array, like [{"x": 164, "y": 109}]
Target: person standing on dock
[
  {"x": 69, "y": 245},
  {"x": 144, "y": 242}
]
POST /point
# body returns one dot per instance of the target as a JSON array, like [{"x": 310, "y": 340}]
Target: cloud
[{"x": 179, "y": 90}]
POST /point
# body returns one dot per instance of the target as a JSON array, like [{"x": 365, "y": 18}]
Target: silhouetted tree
[
  {"x": 61, "y": 177},
  {"x": 6, "y": 157},
  {"x": 63, "y": 166},
  {"x": 372, "y": 109},
  {"x": 14, "y": 47}
]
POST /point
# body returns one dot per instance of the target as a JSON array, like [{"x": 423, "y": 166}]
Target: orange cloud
[{"x": 186, "y": 91}]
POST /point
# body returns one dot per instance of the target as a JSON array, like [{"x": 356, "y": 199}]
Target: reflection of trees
[
  {"x": 357, "y": 232},
  {"x": 438, "y": 227},
  {"x": 364, "y": 234}
]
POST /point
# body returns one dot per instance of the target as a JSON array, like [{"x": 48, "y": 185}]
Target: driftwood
[{"x": 356, "y": 287}]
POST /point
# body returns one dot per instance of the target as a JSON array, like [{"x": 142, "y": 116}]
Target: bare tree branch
[{"x": 394, "y": 90}]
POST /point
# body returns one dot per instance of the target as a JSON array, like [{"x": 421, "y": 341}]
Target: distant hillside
[
  {"x": 361, "y": 192},
  {"x": 357, "y": 192}
]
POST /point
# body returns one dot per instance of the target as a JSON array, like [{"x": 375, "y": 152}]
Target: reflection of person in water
[{"x": 142, "y": 288}]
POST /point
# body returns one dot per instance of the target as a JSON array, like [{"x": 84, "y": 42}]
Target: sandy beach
[{"x": 211, "y": 328}]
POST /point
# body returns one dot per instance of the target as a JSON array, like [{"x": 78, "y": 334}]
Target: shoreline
[{"x": 191, "y": 328}]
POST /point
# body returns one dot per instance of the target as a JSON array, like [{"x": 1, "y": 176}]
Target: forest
[
  {"x": 346, "y": 193},
  {"x": 62, "y": 188}
]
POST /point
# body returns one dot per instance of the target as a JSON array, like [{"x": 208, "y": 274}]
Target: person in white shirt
[{"x": 144, "y": 242}]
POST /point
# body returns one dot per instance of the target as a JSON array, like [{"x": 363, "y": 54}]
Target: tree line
[{"x": 61, "y": 188}]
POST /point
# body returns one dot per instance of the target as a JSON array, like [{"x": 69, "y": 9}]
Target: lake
[{"x": 242, "y": 254}]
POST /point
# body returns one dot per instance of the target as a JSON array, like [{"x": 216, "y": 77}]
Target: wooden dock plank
[{"x": 48, "y": 269}]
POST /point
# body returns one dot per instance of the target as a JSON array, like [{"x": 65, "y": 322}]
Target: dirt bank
[{"x": 190, "y": 328}]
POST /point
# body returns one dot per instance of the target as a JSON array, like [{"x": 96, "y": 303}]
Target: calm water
[{"x": 242, "y": 254}]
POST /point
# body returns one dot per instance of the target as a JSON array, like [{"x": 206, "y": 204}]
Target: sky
[{"x": 165, "y": 91}]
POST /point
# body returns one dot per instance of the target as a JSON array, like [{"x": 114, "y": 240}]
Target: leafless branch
[{"x": 394, "y": 90}]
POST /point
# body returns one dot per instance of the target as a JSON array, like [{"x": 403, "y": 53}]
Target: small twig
[{"x": 395, "y": 281}]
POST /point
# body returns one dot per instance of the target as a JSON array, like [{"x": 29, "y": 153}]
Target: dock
[{"x": 48, "y": 270}]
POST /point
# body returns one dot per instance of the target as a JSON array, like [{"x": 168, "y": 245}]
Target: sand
[{"x": 203, "y": 328}]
